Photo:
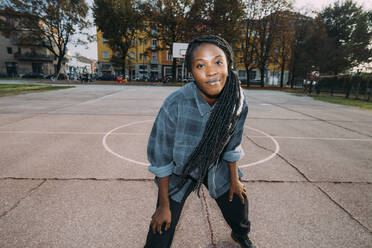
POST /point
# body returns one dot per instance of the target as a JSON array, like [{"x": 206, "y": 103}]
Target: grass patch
[
  {"x": 16, "y": 89},
  {"x": 344, "y": 101}
]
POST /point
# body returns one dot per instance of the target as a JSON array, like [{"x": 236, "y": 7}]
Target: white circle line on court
[
  {"x": 116, "y": 154},
  {"x": 139, "y": 134},
  {"x": 104, "y": 142},
  {"x": 277, "y": 148}
]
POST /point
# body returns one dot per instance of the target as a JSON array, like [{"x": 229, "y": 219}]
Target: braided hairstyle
[{"x": 222, "y": 121}]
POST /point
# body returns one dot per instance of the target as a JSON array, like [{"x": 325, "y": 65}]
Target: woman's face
[{"x": 209, "y": 69}]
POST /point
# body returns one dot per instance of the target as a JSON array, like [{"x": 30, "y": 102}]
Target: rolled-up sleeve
[
  {"x": 234, "y": 151},
  {"x": 161, "y": 142}
]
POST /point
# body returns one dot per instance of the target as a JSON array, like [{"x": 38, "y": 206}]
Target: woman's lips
[{"x": 213, "y": 81}]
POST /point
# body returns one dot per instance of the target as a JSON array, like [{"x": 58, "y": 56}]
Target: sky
[{"x": 303, "y": 6}]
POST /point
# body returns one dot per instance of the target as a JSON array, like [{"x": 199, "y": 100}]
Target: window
[
  {"x": 154, "y": 67},
  {"x": 37, "y": 68},
  {"x": 10, "y": 51},
  {"x": 140, "y": 41},
  {"x": 133, "y": 55},
  {"x": 169, "y": 56},
  {"x": 252, "y": 75},
  {"x": 19, "y": 50},
  {"x": 105, "y": 55},
  {"x": 145, "y": 57},
  {"x": 154, "y": 57},
  {"x": 242, "y": 74},
  {"x": 168, "y": 71},
  {"x": 241, "y": 60},
  {"x": 133, "y": 42},
  {"x": 141, "y": 56},
  {"x": 154, "y": 42}
]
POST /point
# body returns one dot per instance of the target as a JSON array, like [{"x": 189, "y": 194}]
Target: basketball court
[{"x": 73, "y": 172}]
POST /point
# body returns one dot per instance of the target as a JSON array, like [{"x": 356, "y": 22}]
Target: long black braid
[{"x": 222, "y": 121}]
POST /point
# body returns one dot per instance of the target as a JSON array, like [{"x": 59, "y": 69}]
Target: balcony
[
  {"x": 154, "y": 62},
  {"x": 34, "y": 57}
]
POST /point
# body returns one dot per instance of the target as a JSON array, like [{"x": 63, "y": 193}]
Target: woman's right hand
[{"x": 161, "y": 215}]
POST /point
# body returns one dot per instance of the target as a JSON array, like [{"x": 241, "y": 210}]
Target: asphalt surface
[{"x": 73, "y": 172}]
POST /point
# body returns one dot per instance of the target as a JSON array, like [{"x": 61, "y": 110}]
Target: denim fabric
[{"x": 178, "y": 129}]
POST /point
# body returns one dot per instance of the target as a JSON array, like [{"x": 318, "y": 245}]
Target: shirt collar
[{"x": 202, "y": 104}]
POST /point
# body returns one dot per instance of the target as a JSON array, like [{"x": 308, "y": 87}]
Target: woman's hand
[
  {"x": 161, "y": 215},
  {"x": 238, "y": 188}
]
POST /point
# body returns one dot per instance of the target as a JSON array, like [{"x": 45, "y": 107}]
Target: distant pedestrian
[{"x": 196, "y": 139}]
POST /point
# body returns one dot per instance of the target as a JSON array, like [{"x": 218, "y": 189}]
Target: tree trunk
[
  {"x": 248, "y": 71},
  {"x": 124, "y": 65},
  {"x": 58, "y": 68},
  {"x": 348, "y": 88},
  {"x": 262, "y": 77},
  {"x": 357, "y": 89},
  {"x": 293, "y": 71},
  {"x": 282, "y": 73}
]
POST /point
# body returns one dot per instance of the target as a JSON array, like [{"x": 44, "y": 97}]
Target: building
[
  {"x": 145, "y": 59},
  {"x": 78, "y": 65},
  {"x": 17, "y": 59}
]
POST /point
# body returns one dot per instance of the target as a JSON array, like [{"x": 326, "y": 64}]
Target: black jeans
[{"x": 235, "y": 214}]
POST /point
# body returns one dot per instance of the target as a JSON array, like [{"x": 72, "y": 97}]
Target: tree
[
  {"x": 284, "y": 42},
  {"x": 225, "y": 18},
  {"x": 261, "y": 30},
  {"x": 46, "y": 23},
  {"x": 348, "y": 27},
  {"x": 168, "y": 20},
  {"x": 119, "y": 21},
  {"x": 299, "y": 59}
]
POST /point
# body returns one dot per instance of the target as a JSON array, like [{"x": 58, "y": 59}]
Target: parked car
[
  {"x": 188, "y": 80},
  {"x": 167, "y": 79},
  {"x": 33, "y": 75},
  {"x": 106, "y": 77},
  {"x": 61, "y": 76},
  {"x": 251, "y": 82}
]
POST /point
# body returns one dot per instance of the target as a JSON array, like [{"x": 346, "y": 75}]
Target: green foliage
[
  {"x": 343, "y": 101},
  {"x": 225, "y": 18},
  {"x": 119, "y": 21},
  {"x": 16, "y": 89},
  {"x": 349, "y": 31},
  {"x": 263, "y": 26}
]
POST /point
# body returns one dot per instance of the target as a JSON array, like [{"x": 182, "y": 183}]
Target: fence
[{"x": 353, "y": 87}]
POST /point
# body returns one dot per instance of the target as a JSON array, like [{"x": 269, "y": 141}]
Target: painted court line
[{"x": 106, "y": 146}]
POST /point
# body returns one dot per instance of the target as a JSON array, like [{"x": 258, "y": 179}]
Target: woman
[{"x": 196, "y": 139}]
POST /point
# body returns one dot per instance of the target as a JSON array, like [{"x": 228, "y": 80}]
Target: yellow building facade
[{"x": 145, "y": 60}]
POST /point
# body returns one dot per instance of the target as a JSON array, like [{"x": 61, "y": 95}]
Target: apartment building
[
  {"x": 18, "y": 59},
  {"x": 145, "y": 59}
]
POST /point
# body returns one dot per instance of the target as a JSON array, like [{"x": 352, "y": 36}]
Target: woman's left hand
[{"x": 238, "y": 188}]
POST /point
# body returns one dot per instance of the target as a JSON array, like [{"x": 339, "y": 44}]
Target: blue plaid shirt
[{"x": 178, "y": 129}]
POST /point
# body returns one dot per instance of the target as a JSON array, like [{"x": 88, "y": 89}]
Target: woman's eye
[
  {"x": 199, "y": 66},
  {"x": 219, "y": 62}
]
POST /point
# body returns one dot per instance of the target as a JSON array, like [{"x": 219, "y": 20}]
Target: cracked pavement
[{"x": 61, "y": 187}]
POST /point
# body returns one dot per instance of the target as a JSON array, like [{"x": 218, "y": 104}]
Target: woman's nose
[{"x": 211, "y": 71}]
